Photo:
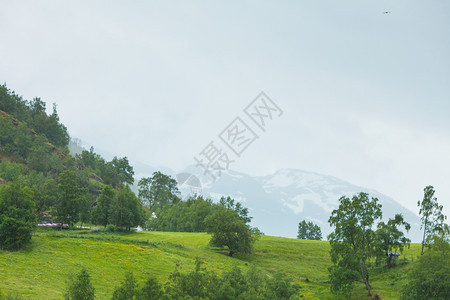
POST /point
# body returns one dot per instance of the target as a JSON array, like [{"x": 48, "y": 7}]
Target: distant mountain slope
[{"x": 278, "y": 202}]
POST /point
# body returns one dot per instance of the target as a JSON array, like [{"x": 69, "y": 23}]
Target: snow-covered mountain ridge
[{"x": 279, "y": 201}]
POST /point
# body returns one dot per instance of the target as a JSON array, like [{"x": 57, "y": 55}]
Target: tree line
[
  {"x": 199, "y": 283},
  {"x": 30, "y": 114}
]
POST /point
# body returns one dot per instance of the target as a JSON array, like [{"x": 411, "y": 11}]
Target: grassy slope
[{"x": 41, "y": 270}]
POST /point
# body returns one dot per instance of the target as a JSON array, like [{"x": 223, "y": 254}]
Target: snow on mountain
[{"x": 279, "y": 201}]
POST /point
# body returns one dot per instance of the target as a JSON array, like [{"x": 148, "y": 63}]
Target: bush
[
  {"x": 17, "y": 220},
  {"x": 112, "y": 228},
  {"x": 151, "y": 290},
  {"x": 429, "y": 277},
  {"x": 127, "y": 289},
  {"x": 80, "y": 287}
]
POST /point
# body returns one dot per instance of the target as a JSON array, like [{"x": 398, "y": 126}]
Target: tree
[
  {"x": 352, "y": 241},
  {"x": 158, "y": 191},
  {"x": 38, "y": 159},
  {"x": 242, "y": 212},
  {"x": 56, "y": 132},
  {"x": 101, "y": 212},
  {"x": 11, "y": 171},
  {"x": 45, "y": 190},
  {"x": 127, "y": 289},
  {"x": 152, "y": 290},
  {"x": 429, "y": 277},
  {"x": 89, "y": 158},
  {"x": 229, "y": 230},
  {"x": 309, "y": 231},
  {"x": 190, "y": 285},
  {"x": 389, "y": 238},
  {"x": 70, "y": 198},
  {"x": 80, "y": 287},
  {"x": 123, "y": 169},
  {"x": 125, "y": 211},
  {"x": 432, "y": 217},
  {"x": 17, "y": 220}
]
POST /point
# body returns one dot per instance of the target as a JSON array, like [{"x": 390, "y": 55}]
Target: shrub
[{"x": 80, "y": 287}]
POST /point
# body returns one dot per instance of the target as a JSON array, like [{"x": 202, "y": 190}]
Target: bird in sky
[{"x": 386, "y": 12}]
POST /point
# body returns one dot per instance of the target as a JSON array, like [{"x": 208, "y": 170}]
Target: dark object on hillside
[
  {"x": 390, "y": 256},
  {"x": 376, "y": 297}
]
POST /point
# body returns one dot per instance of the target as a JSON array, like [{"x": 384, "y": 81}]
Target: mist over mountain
[{"x": 279, "y": 201}]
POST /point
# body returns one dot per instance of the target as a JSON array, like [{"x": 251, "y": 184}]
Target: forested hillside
[
  {"x": 34, "y": 154},
  {"x": 225, "y": 258}
]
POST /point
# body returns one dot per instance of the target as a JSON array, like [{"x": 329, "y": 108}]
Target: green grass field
[{"x": 41, "y": 270}]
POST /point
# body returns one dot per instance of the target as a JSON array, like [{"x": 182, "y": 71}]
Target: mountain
[{"x": 279, "y": 201}]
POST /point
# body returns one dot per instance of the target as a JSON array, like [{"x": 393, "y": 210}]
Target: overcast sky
[{"x": 365, "y": 95}]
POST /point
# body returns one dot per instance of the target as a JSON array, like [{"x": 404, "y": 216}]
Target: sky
[{"x": 364, "y": 94}]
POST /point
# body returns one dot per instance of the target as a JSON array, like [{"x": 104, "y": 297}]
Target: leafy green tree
[
  {"x": 229, "y": 230},
  {"x": 123, "y": 169},
  {"x": 190, "y": 285},
  {"x": 242, "y": 212},
  {"x": 184, "y": 216},
  {"x": 70, "y": 198},
  {"x": 39, "y": 157},
  {"x": 309, "y": 231},
  {"x": 432, "y": 217},
  {"x": 101, "y": 212},
  {"x": 390, "y": 238},
  {"x": 17, "y": 220},
  {"x": 352, "y": 241},
  {"x": 6, "y": 133},
  {"x": 127, "y": 289},
  {"x": 11, "y": 171},
  {"x": 125, "y": 211},
  {"x": 158, "y": 191},
  {"x": 151, "y": 290},
  {"x": 280, "y": 287},
  {"x": 23, "y": 140},
  {"x": 45, "y": 190},
  {"x": 85, "y": 208},
  {"x": 80, "y": 287},
  {"x": 108, "y": 173},
  {"x": 90, "y": 159},
  {"x": 429, "y": 277}
]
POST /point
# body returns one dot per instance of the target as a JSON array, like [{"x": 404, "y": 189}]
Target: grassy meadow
[{"x": 41, "y": 270}]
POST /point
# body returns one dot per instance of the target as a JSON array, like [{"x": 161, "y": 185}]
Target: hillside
[{"x": 41, "y": 270}]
